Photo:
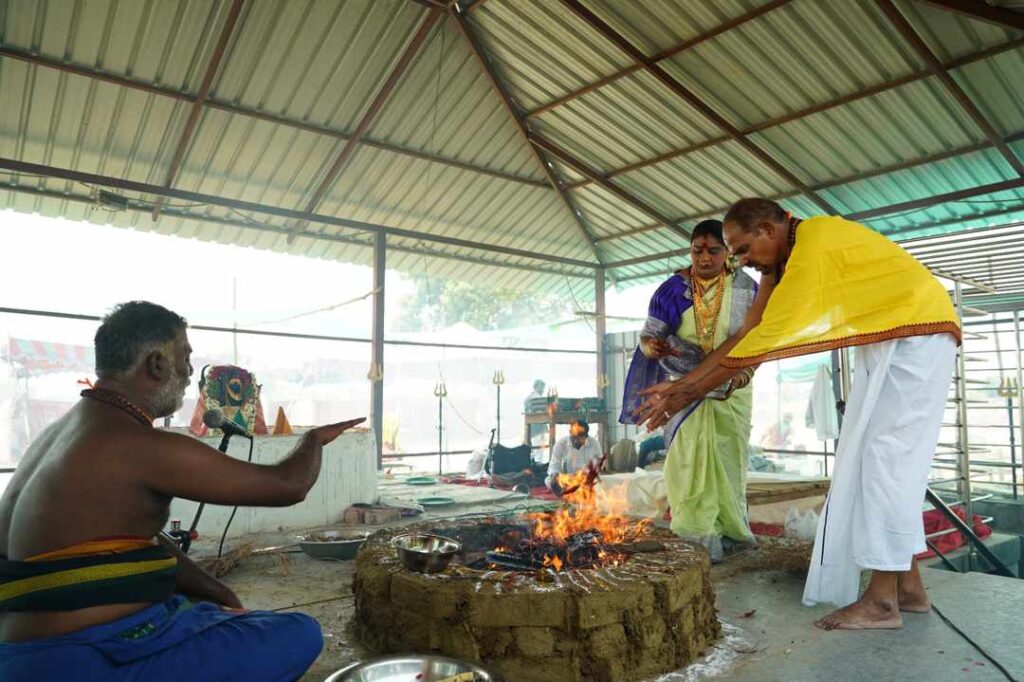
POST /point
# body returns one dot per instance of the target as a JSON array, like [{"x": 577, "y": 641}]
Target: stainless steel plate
[
  {"x": 332, "y": 544},
  {"x": 411, "y": 668}
]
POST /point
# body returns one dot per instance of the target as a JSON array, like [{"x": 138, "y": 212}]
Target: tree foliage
[{"x": 436, "y": 305}]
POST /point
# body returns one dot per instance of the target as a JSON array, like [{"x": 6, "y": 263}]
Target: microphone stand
[{"x": 186, "y": 539}]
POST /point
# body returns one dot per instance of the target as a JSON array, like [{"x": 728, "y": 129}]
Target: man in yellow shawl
[{"x": 836, "y": 283}]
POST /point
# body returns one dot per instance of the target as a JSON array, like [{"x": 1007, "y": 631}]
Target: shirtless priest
[
  {"x": 835, "y": 283},
  {"x": 87, "y": 589}
]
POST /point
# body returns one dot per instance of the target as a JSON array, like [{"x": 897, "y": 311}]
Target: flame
[
  {"x": 602, "y": 509},
  {"x": 553, "y": 562}
]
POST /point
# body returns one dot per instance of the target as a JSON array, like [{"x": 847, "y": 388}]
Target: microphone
[{"x": 214, "y": 419}]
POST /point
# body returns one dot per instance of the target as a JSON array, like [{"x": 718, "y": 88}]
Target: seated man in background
[
  {"x": 88, "y": 590},
  {"x": 572, "y": 453}
]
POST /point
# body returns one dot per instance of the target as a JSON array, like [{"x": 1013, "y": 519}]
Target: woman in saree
[{"x": 690, "y": 315}]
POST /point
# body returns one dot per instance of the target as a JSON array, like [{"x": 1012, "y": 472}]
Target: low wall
[{"x": 348, "y": 474}]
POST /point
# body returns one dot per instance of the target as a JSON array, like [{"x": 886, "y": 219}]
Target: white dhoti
[{"x": 872, "y": 516}]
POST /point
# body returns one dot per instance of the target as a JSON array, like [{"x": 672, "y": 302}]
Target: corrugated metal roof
[
  {"x": 632, "y": 119},
  {"x": 992, "y": 256},
  {"x": 541, "y": 50},
  {"x": 704, "y": 180},
  {"x": 445, "y": 106},
  {"x": 917, "y": 120},
  {"x": 297, "y": 77},
  {"x": 658, "y": 26},
  {"x": 951, "y": 35},
  {"x": 791, "y": 58}
]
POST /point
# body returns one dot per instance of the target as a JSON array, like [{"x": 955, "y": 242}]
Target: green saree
[{"x": 706, "y": 466}]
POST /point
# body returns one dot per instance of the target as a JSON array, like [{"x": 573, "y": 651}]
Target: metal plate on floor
[{"x": 435, "y": 501}]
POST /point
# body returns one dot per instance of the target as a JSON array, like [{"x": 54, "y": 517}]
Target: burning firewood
[{"x": 590, "y": 476}]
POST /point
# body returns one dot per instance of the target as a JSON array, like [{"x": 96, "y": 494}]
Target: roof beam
[
  {"x": 231, "y": 108},
  {"x": 204, "y": 91},
  {"x": 467, "y": 6},
  {"x": 1008, "y": 260},
  {"x": 976, "y": 9},
  {"x": 983, "y": 232},
  {"x": 24, "y": 167},
  {"x": 935, "y": 67},
  {"x": 815, "y": 109},
  {"x": 694, "y": 101},
  {"x": 284, "y": 231},
  {"x": 952, "y": 245},
  {"x": 661, "y": 56},
  {"x": 952, "y": 221},
  {"x": 371, "y": 113},
  {"x": 430, "y": 4},
  {"x": 1012, "y": 243},
  {"x": 610, "y": 187},
  {"x": 645, "y": 275},
  {"x": 926, "y": 202},
  {"x": 856, "y": 177},
  {"x": 520, "y": 122},
  {"x": 879, "y": 212},
  {"x": 640, "y": 260},
  {"x": 967, "y": 278}
]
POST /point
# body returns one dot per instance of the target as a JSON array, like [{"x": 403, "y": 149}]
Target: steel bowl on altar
[{"x": 424, "y": 552}]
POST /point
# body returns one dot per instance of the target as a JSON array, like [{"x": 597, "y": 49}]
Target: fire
[
  {"x": 590, "y": 510},
  {"x": 553, "y": 562}
]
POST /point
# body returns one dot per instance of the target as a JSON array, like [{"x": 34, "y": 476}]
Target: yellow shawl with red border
[{"x": 845, "y": 285}]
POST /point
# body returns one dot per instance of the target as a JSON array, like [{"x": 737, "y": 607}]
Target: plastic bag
[
  {"x": 801, "y": 525},
  {"x": 475, "y": 467}
]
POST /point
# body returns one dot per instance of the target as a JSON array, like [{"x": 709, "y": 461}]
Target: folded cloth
[
  {"x": 120, "y": 570},
  {"x": 173, "y": 640}
]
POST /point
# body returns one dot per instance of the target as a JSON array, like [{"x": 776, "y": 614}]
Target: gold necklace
[{"x": 705, "y": 316}]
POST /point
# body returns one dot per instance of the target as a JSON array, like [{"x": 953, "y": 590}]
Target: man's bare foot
[
  {"x": 865, "y": 614},
  {"x": 915, "y": 601},
  {"x": 912, "y": 595}
]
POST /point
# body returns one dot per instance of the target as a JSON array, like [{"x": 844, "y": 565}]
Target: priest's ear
[{"x": 159, "y": 365}]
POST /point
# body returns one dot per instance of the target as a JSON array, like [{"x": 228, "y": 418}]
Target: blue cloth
[
  {"x": 173, "y": 640},
  {"x": 664, "y": 313},
  {"x": 652, "y": 444}
]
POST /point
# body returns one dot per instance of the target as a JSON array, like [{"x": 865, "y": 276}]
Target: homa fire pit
[{"x": 561, "y": 597}]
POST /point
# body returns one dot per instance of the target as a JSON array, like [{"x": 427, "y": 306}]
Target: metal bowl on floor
[
  {"x": 332, "y": 544},
  {"x": 425, "y": 553},
  {"x": 413, "y": 668}
]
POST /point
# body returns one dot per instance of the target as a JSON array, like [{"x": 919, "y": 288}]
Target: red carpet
[
  {"x": 934, "y": 521},
  {"x": 539, "y": 492}
]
